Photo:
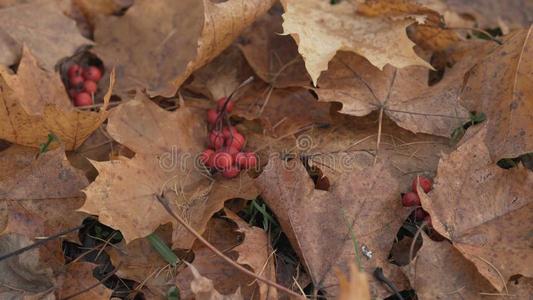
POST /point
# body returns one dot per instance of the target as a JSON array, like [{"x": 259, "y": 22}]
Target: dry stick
[
  {"x": 94, "y": 285},
  {"x": 162, "y": 200},
  {"x": 39, "y": 243}
]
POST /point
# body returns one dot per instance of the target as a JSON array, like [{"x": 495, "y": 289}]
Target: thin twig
[
  {"x": 162, "y": 200},
  {"x": 380, "y": 124},
  {"x": 39, "y": 243},
  {"x": 94, "y": 285},
  {"x": 492, "y": 38}
]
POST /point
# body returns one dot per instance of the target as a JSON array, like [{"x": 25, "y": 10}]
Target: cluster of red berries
[
  {"x": 83, "y": 83},
  {"x": 225, "y": 152},
  {"x": 410, "y": 199}
]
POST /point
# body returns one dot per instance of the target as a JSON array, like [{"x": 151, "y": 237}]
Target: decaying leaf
[
  {"x": 43, "y": 28},
  {"x": 484, "y": 210},
  {"x": 500, "y": 86},
  {"x": 28, "y": 122},
  {"x": 439, "y": 271},
  {"x": 329, "y": 228},
  {"x": 168, "y": 39},
  {"x": 79, "y": 277},
  {"x": 321, "y": 29},
  {"x": 166, "y": 145}
]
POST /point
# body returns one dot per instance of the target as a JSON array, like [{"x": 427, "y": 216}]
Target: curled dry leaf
[
  {"x": 255, "y": 251},
  {"x": 168, "y": 39},
  {"x": 43, "y": 28},
  {"x": 203, "y": 288},
  {"x": 78, "y": 277},
  {"x": 484, "y": 210},
  {"x": 321, "y": 29},
  {"x": 439, "y": 271},
  {"x": 222, "y": 234},
  {"x": 28, "y": 122},
  {"x": 166, "y": 145},
  {"x": 356, "y": 287},
  {"x": 329, "y": 228},
  {"x": 500, "y": 86},
  {"x": 403, "y": 94}
]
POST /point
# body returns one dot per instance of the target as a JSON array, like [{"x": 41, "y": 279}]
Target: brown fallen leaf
[
  {"x": 221, "y": 233},
  {"x": 78, "y": 277},
  {"x": 166, "y": 145},
  {"x": 483, "y": 209},
  {"x": 141, "y": 262},
  {"x": 521, "y": 287},
  {"x": 27, "y": 122},
  {"x": 25, "y": 274},
  {"x": 356, "y": 287},
  {"x": 500, "y": 86},
  {"x": 43, "y": 28},
  {"x": 493, "y": 13},
  {"x": 168, "y": 40},
  {"x": 439, "y": 271},
  {"x": 403, "y": 94},
  {"x": 321, "y": 29},
  {"x": 329, "y": 229},
  {"x": 256, "y": 252},
  {"x": 203, "y": 288},
  {"x": 274, "y": 57}
]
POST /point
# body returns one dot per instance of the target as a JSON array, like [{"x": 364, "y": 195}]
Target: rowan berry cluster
[
  {"x": 225, "y": 150},
  {"x": 83, "y": 83},
  {"x": 411, "y": 199}
]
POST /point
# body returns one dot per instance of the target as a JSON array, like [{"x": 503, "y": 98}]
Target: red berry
[
  {"x": 231, "y": 172},
  {"x": 73, "y": 93},
  {"x": 90, "y": 86},
  {"x": 92, "y": 73},
  {"x": 74, "y": 70},
  {"x": 220, "y": 104},
  {"x": 241, "y": 159},
  {"x": 212, "y": 116},
  {"x": 419, "y": 214},
  {"x": 222, "y": 160},
  {"x": 425, "y": 183},
  {"x": 231, "y": 150},
  {"x": 217, "y": 139},
  {"x": 410, "y": 199},
  {"x": 228, "y": 132},
  {"x": 251, "y": 160},
  {"x": 237, "y": 141},
  {"x": 83, "y": 99},
  {"x": 76, "y": 81},
  {"x": 207, "y": 157}
]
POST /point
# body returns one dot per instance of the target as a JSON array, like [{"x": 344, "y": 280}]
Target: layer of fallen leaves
[{"x": 349, "y": 103}]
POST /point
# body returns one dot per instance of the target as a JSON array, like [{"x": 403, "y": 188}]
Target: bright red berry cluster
[
  {"x": 83, "y": 83},
  {"x": 225, "y": 152},
  {"x": 410, "y": 199}
]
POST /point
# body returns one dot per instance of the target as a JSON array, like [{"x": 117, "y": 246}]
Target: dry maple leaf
[
  {"x": 483, "y": 209},
  {"x": 321, "y": 29},
  {"x": 28, "y": 122},
  {"x": 403, "y": 94},
  {"x": 78, "y": 277},
  {"x": 168, "y": 39},
  {"x": 43, "y": 28},
  {"x": 439, "y": 271},
  {"x": 361, "y": 208},
  {"x": 166, "y": 145},
  {"x": 500, "y": 86}
]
